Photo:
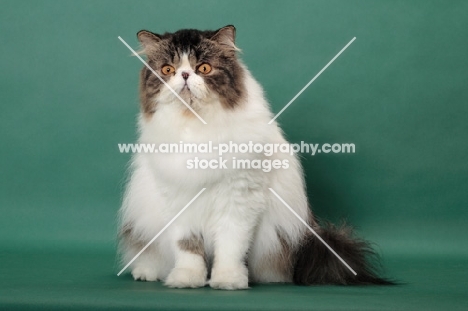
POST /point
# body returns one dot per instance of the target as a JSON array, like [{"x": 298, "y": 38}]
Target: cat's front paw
[
  {"x": 186, "y": 278},
  {"x": 229, "y": 279},
  {"x": 141, "y": 273}
]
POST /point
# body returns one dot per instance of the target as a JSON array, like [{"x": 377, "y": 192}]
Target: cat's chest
[
  {"x": 196, "y": 132},
  {"x": 198, "y": 154}
]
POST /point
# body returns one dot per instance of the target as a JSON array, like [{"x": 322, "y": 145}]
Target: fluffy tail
[{"x": 315, "y": 264}]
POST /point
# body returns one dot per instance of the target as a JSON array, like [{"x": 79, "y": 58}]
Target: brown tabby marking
[
  {"x": 214, "y": 47},
  {"x": 284, "y": 260},
  {"x": 194, "y": 244}
]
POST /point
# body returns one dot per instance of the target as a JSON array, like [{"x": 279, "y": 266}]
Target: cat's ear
[
  {"x": 226, "y": 37},
  {"x": 147, "y": 38}
]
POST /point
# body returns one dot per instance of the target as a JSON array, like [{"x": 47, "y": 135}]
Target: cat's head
[{"x": 200, "y": 66}]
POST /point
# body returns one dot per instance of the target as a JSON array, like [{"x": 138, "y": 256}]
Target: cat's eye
[
  {"x": 167, "y": 69},
  {"x": 204, "y": 68}
]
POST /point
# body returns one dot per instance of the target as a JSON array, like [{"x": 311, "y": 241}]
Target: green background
[{"x": 68, "y": 95}]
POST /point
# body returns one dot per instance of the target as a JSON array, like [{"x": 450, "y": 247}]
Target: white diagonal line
[
  {"x": 312, "y": 230},
  {"x": 162, "y": 230},
  {"x": 159, "y": 77},
  {"x": 310, "y": 82}
]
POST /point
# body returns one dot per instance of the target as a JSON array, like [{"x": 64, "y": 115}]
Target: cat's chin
[{"x": 186, "y": 95}]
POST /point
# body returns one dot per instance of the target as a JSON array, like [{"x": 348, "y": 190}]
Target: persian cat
[{"x": 237, "y": 231}]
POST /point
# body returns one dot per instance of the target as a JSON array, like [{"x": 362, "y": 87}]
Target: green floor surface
[{"x": 86, "y": 280}]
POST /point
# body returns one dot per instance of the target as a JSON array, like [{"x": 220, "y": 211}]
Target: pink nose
[{"x": 185, "y": 75}]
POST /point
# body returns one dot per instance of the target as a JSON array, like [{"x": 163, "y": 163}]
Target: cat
[{"x": 237, "y": 231}]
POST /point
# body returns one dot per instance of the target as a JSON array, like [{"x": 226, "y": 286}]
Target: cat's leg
[
  {"x": 280, "y": 233},
  {"x": 140, "y": 220},
  {"x": 153, "y": 263},
  {"x": 230, "y": 250},
  {"x": 145, "y": 267},
  {"x": 233, "y": 234},
  {"x": 190, "y": 268}
]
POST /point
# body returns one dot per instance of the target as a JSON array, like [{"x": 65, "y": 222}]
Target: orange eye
[
  {"x": 204, "y": 68},
  {"x": 167, "y": 69}
]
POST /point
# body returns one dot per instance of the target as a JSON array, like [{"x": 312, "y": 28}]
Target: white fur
[{"x": 236, "y": 215}]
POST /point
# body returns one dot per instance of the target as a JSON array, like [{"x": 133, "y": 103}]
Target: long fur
[
  {"x": 237, "y": 231},
  {"x": 315, "y": 264}
]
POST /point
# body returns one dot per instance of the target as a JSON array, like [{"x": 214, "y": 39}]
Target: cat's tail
[{"x": 316, "y": 264}]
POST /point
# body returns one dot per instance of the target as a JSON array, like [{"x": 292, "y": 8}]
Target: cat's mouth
[
  {"x": 186, "y": 94},
  {"x": 185, "y": 91}
]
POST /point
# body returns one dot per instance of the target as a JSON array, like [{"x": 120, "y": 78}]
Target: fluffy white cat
[{"x": 236, "y": 231}]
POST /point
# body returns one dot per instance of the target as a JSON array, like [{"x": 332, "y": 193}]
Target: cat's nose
[{"x": 185, "y": 75}]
